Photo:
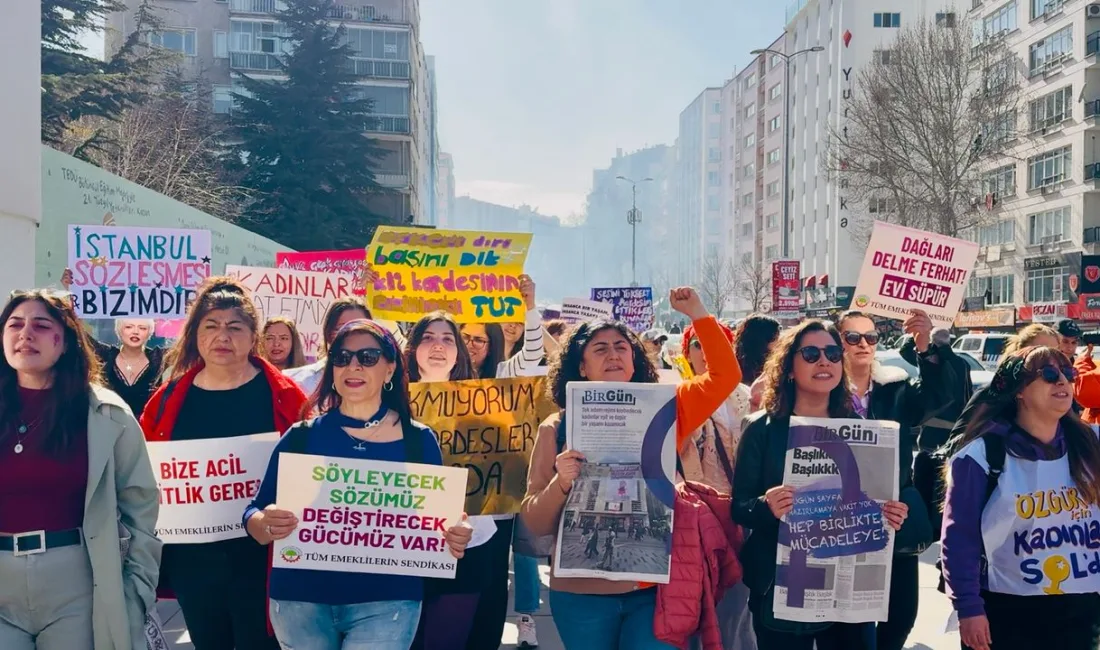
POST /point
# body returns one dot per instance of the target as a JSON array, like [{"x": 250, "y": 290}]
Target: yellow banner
[
  {"x": 487, "y": 426},
  {"x": 471, "y": 274}
]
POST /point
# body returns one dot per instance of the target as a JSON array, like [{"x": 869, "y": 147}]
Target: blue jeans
[
  {"x": 382, "y": 625},
  {"x": 526, "y": 570},
  {"x": 618, "y": 622}
]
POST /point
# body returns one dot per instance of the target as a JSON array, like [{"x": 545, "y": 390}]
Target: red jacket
[
  {"x": 287, "y": 404},
  {"x": 705, "y": 544}
]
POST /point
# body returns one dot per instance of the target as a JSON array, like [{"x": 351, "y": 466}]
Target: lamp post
[
  {"x": 633, "y": 218},
  {"x": 787, "y": 135}
]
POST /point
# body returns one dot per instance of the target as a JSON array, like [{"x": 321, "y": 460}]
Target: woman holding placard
[
  {"x": 78, "y": 499},
  {"x": 602, "y": 614},
  {"x": 220, "y": 388},
  {"x": 363, "y": 399}
]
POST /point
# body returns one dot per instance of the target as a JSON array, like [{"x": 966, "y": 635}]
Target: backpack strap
[
  {"x": 723, "y": 456},
  {"x": 995, "y": 457}
]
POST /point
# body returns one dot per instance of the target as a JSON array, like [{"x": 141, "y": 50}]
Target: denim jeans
[
  {"x": 381, "y": 625},
  {"x": 46, "y": 600},
  {"x": 526, "y": 571},
  {"x": 616, "y": 622}
]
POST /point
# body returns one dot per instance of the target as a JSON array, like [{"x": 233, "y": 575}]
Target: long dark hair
[
  {"x": 566, "y": 365},
  {"x": 779, "y": 386},
  {"x": 395, "y": 398},
  {"x": 333, "y": 314},
  {"x": 216, "y": 293},
  {"x": 999, "y": 406},
  {"x": 65, "y": 417},
  {"x": 495, "y": 353},
  {"x": 463, "y": 369},
  {"x": 752, "y": 338}
]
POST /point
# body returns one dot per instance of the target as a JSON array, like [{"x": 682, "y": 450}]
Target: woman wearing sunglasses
[
  {"x": 1018, "y": 548},
  {"x": 885, "y": 393},
  {"x": 804, "y": 376},
  {"x": 363, "y": 399}
]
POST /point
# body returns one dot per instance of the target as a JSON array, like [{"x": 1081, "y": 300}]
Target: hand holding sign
[
  {"x": 780, "y": 500},
  {"x": 271, "y": 524},
  {"x": 369, "y": 277},
  {"x": 527, "y": 290},
  {"x": 568, "y": 465},
  {"x": 686, "y": 301},
  {"x": 896, "y": 512},
  {"x": 920, "y": 326},
  {"x": 458, "y": 537}
]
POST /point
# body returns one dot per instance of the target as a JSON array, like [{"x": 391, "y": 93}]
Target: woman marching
[
  {"x": 364, "y": 404},
  {"x": 805, "y": 377},
  {"x": 78, "y": 499},
  {"x": 601, "y": 614},
  {"x": 282, "y": 344},
  {"x": 221, "y": 388},
  {"x": 1020, "y": 513}
]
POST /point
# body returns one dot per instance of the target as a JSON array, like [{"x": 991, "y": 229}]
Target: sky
[{"x": 535, "y": 94}]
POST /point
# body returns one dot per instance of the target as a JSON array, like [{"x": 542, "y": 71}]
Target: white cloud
[{"x": 556, "y": 204}]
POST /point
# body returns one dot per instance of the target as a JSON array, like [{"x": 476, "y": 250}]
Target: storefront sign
[{"x": 986, "y": 318}]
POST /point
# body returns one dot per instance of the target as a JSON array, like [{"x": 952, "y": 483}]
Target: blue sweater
[{"x": 327, "y": 438}]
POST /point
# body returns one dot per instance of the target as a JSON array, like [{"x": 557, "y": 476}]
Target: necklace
[
  {"x": 20, "y": 431},
  {"x": 347, "y": 422}
]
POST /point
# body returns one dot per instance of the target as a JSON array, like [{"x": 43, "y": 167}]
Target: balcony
[
  {"x": 1092, "y": 108},
  {"x": 1092, "y": 43},
  {"x": 256, "y": 61},
  {"x": 1092, "y": 172},
  {"x": 380, "y": 68},
  {"x": 390, "y": 124},
  {"x": 261, "y": 7},
  {"x": 393, "y": 181}
]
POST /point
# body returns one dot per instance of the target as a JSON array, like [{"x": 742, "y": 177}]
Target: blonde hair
[
  {"x": 1025, "y": 338},
  {"x": 148, "y": 322}
]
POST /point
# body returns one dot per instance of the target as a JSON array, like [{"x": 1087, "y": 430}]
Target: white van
[{"x": 986, "y": 348}]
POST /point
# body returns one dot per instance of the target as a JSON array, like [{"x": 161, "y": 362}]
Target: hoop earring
[{"x": 388, "y": 385}]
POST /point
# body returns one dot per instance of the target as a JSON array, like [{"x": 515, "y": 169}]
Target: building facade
[
  {"x": 698, "y": 185},
  {"x": 445, "y": 191},
  {"x": 220, "y": 38}
]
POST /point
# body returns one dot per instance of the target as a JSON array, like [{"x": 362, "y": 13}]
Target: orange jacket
[{"x": 1086, "y": 390}]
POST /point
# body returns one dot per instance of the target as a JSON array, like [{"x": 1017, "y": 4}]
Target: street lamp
[
  {"x": 633, "y": 218},
  {"x": 787, "y": 135}
]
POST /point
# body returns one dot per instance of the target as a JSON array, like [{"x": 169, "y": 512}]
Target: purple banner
[{"x": 631, "y": 305}]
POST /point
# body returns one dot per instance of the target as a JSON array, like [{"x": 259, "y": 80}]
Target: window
[
  {"x": 750, "y": 110},
  {"x": 255, "y": 37},
  {"x": 1045, "y": 285},
  {"x": 750, "y": 140},
  {"x": 749, "y": 171},
  {"x": 1048, "y": 226},
  {"x": 1052, "y": 109},
  {"x": 772, "y": 221},
  {"x": 714, "y": 203},
  {"x": 713, "y": 179},
  {"x": 717, "y": 108},
  {"x": 771, "y": 252},
  {"x": 177, "y": 40},
  {"x": 714, "y": 154},
  {"x": 750, "y": 81},
  {"x": 746, "y": 230},
  {"x": 999, "y": 76},
  {"x": 1001, "y": 289},
  {"x": 221, "y": 44},
  {"x": 999, "y": 131},
  {"x": 1000, "y": 21},
  {"x": 995, "y": 234},
  {"x": 773, "y": 156},
  {"x": 881, "y": 206},
  {"x": 1050, "y": 51},
  {"x": 746, "y": 200},
  {"x": 1040, "y": 8},
  {"x": 1049, "y": 168},
  {"x": 1000, "y": 182},
  {"x": 887, "y": 20},
  {"x": 882, "y": 56},
  {"x": 774, "y": 92},
  {"x": 773, "y": 124},
  {"x": 223, "y": 99},
  {"x": 773, "y": 189},
  {"x": 774, "y": 61},
  {"x": 945, "y": 19}
]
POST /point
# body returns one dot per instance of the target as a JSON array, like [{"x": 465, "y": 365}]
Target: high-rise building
[
  {"x": 432, "y": 212},
  {"x": 220, "y": 38},
  {"x": 852, "y": 33},
  {"x": 445, "y": 191},
  {"x": 699, "y": 185}
]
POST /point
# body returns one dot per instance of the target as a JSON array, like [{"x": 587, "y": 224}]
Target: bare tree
[
  {"x": 922, "y": 122},
  {"x": 754, "y": 285},
  {"x": 717, "y": 283},
  {"x": 171, "y": 144}
]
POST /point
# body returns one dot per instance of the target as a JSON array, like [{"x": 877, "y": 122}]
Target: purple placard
[{"x": 631, "y": 305}]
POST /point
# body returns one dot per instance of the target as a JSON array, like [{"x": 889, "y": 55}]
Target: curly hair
[
  {"x": 752, "y": 339},
  {"x": 565, "y": 367},
  {"x": 779, "y": 386}
]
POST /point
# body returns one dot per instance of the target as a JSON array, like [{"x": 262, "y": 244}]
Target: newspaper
[
  {"x": 835, "y": 547},
  {"x": 617, "y": 521}
]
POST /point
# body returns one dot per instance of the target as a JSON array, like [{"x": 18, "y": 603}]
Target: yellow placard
[
  {"x": 487, "y": 426},
  {"x": 471, "y": 274}
]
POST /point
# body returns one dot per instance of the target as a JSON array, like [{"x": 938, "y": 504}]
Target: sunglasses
[
  {"x": 1051, "y": 374},
  {"x": 852, "y": 338},
  {"x": 811, "y": 354},
  {"x": 367, "y": 357}
]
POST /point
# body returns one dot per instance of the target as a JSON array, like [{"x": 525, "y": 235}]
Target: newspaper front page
[
  {"x": 617, "y": 521},
  {"x": 835, "y": 546}
]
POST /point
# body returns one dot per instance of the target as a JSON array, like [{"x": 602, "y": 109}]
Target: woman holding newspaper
[
  {"x": 804, "y": 376},
  {"x": 600, "y": 614}
]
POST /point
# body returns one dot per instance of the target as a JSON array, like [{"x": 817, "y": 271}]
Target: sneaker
[{"x": 527, "y": 637}]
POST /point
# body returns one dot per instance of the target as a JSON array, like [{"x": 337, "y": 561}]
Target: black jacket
[{"x": 936, "y": 431}]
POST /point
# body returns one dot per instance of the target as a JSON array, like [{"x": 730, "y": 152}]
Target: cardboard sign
[
  {"x": 631, "y": 305},
  {"x": 907, "y": 269},
  {"x": 126, "y": 272},
  {"x": 350, "y": 262},
  {"x": 471, "y": 274},
  {"x": 579, "y": 310}
]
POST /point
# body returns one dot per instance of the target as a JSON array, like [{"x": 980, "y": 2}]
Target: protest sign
[
  {"x": 631, "y": 305},
  {"x": 471, "y": 274},
  {"x": 129, "y": 272},
  {"x": 205, "y": 485},
  {"x": 487, "y": 426},
  {"x": 302, "y": 296},
  {"x": 350, "y": 262},
  {"x": 835, "y": 547},
  {"x": 907, "y": 269},
  {"x": 617, "y": 520},
  {"x": 579, "y": 310},
  {"x": 368, "y": 516}
]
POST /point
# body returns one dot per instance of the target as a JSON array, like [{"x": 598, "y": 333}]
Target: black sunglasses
[
  {"x": 852, "y": 338},
  {"x": 812, "y": 354},
  {"x": 367, "y": 357},
  {"x": 1051, "y": 375}
]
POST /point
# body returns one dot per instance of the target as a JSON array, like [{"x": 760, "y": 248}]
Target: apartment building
[
  {"x": 698, "y": 185},
  {"x": 445, "y": 190},
  {"x": 1041, "y": 199},
  {"x": 223, "y": 38}
]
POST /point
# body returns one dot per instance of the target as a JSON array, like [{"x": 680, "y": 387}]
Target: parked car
[
  {"x": 986, "y": 348},
  {"x": 979, "y": 376}
]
